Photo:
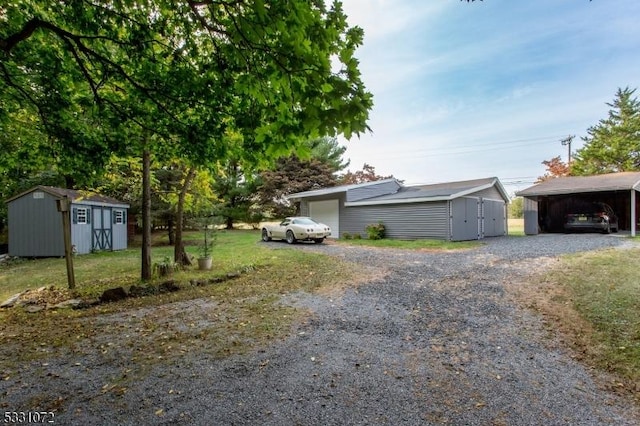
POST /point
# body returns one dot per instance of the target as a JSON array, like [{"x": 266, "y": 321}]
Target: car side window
[{"x": 284, "y": 223}]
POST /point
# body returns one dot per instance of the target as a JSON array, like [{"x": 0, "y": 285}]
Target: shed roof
[
  {"x": 435, "y": 192},
  {"x": 75, "y": 196},
  {"x": 624, "y": 181}
]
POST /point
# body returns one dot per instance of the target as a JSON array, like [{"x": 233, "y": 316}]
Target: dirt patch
[{"x": 366, "y": 274}]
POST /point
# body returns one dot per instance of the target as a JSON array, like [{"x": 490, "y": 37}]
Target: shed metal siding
[
  {"x": 489, "y": 193},
  {"x": 119, "y": 230},
  {"x": 81, "y": 232},
  {"x": 369, "y": 191},
  {"x": 35, "y": 226},
  {"x": 402, "y": 221}
]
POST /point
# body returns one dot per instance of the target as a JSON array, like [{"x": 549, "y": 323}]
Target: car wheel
[
  {"x": 318, "y": 240},
  {"x": 265, "y": 236},
  {"x": 290, "y": 237}
]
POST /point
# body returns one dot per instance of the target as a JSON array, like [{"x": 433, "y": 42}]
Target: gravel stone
[{"x": 436, "y": 340}]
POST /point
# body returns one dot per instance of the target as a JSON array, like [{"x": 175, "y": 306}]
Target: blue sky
[{"x": 465, "y": 91}]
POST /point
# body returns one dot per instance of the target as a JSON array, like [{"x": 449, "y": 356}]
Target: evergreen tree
[{"x": 613, "y": 145}]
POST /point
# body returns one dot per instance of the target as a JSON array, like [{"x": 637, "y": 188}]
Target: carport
[{"x": 547, "y": 203}]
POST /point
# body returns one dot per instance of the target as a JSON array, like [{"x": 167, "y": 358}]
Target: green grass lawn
[
  {"x": 604, "y": 289},
  {"x": 412, "y": 244},
  {"x": 98, "y": 271}
]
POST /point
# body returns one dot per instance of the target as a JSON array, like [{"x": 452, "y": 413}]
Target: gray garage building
[
  {"x": 35, "y": 225},
  {"x": 455, "y": 211},
  {"x": 547, "y": 203}
]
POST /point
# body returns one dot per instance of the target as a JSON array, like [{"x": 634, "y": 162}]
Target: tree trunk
[
  {"x": 146, "y": 215},
  {"x": 171, "y": 231},
  {"x": 179, "y": 255}
]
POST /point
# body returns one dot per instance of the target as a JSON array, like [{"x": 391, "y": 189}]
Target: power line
[
  {"x": 467, "y": 149},
  {"x": 567, "y": 141}
]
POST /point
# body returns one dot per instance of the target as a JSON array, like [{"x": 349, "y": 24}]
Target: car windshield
[{"x": 305, "y": 221}]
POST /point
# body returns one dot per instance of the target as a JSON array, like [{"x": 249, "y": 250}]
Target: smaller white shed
[{"x": 35, "y": 224}]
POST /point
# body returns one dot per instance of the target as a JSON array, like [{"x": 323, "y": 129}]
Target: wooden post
[
  {"x": 146, "y": 271},
  {"x": 634, "y": 217},
  {"x": 63, "y": 207}
]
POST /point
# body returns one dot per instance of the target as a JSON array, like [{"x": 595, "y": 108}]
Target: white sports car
[{"x": 294, "y": 229}]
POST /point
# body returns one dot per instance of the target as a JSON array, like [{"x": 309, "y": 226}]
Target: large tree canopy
[
  {"x": 612, "y": 145},
  {"x": 274, "y": 71}
]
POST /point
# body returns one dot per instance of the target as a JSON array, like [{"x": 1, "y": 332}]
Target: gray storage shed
[
  {"x": 35, "y": 224},
  {"x": 455, "y": 211},
  {"x": 547, "y": 203}
]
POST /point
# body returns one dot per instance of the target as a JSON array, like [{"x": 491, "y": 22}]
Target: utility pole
[{"x": 567, "y": 142}]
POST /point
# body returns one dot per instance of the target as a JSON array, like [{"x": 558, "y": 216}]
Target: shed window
[
  {"x": 81, "y": 216},
  {"x": 118, "y": 217}
]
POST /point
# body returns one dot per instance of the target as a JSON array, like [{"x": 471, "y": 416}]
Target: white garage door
[{"x": 326, "y": 212}]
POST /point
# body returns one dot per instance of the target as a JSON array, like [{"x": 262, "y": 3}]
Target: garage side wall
[
  {"x": 402, "y": 221},
  {"x": 530, "y": 207}
]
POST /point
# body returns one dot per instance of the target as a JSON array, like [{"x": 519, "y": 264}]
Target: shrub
[
  {"x": 346, "y": 235},
  {"x": 357, "y": 236},
  {"x": 375, "y": 231}
]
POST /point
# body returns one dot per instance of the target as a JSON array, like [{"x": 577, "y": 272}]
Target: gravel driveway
[{"x": 436, "y": 340}]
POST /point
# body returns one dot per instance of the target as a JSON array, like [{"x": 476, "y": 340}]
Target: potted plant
[{"x": 205, "y": 260}]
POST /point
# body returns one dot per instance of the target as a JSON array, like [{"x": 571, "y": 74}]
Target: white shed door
[
  {"x": 493, "y": 218},
  {"x": 328, "y": 213},
  {"x": 465, "y": 220}
]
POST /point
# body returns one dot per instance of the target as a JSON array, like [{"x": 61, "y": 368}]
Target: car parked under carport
[
  {"x": 547, "y": 203},
  {"x": 592, "y": 217}
]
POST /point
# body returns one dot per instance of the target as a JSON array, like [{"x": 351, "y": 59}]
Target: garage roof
[
  {"x": 337, "y": 189},
  {"x": 398, "y": 194},
  {"x": 435, "y": 192},
  {"x": 624, "y": 181}
]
